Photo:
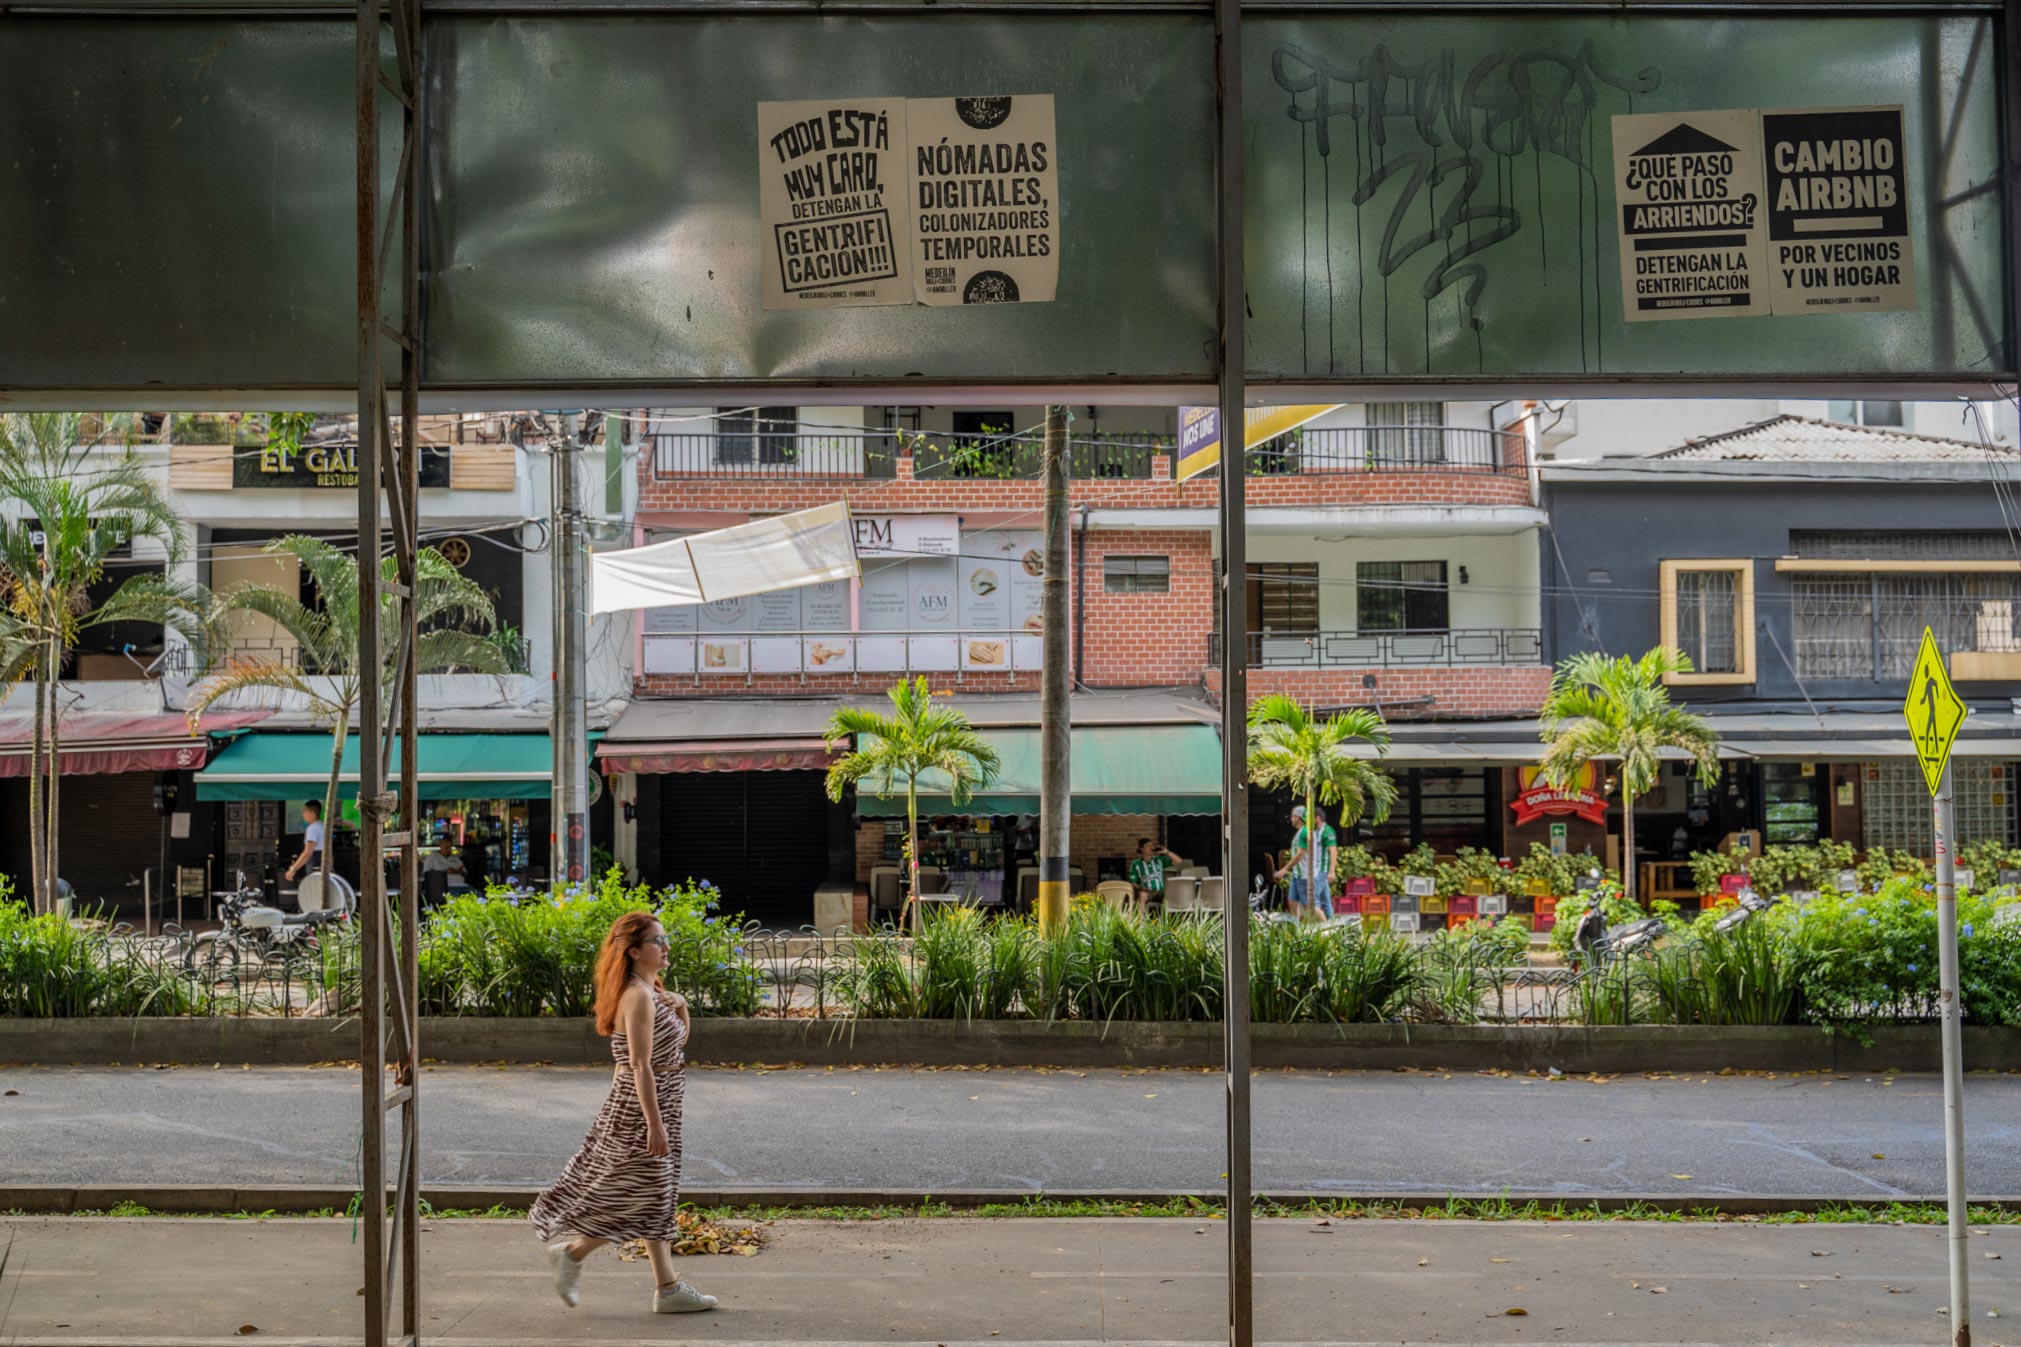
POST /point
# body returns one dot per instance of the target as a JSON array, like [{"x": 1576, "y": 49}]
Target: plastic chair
[
  {"x": 932, "y": 879},
  {"x": 1028, "y": 887},
  {"x": 1118, "y": 893},
  {"x": 1214, "y": 894},
  {"x": 1182, "y": 893},
  {"x": 885, "y": 889},
  {"x": 1196, "y": 872}
]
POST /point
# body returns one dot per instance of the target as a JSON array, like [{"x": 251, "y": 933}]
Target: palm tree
[
  {"x": 72, "y": 504},
  {"x": 1314, "y": 759},
  {"x": 917, "y": 738},
  {"x": 1619, "y": 709},
  {"x": 327, "y": 659}
]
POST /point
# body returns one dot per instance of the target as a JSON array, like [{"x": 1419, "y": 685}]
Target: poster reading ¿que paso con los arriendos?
[
  {"x": 985, "y": 199},
  {"x": 832, "y": 186}
]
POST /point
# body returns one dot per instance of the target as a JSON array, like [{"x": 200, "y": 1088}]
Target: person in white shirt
[
  {"x": 443, "y": 860},
  {"x": 311, "y": 858}
]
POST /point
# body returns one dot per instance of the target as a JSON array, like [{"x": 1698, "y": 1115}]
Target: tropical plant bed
[{"x": 1567, "y": 1049}]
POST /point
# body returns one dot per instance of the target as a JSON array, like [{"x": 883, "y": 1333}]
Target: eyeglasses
[{"x": 661, "y": 940}]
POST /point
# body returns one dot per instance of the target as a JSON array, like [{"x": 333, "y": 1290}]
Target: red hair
[{"x": 614, "y": 965}]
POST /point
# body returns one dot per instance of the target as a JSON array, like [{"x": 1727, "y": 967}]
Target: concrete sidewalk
[{"x": 95, "y": 1282}]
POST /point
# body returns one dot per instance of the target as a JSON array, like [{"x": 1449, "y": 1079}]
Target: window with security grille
[
  {"x": 1873, "y": 413},
  {"x": 1869, "y": 626},
  {"x": 756, "y": 434},
  {"x": 1406, "y": 433},
  {"x": 1283, "y": 597},
  {"x": 1903, "y": 544},
  {"x": 1895, "y": 803},
  {"x": 1708, "y": 620},
  {"x": 1400, "y": 596},
  {"x": 1136, "y": 575}
]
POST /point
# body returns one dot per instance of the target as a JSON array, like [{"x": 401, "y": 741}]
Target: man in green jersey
[{"x": 1325, "y": 843}]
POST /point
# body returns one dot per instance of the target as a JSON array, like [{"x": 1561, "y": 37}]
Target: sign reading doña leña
[
  {"x": 1737, "y": 212},
  {"x": 1838, "y": 211},
  {"x": 832, "y": 177},
  {"x": 1689, "y": 185},
  {"x": 985, "y": 193}
]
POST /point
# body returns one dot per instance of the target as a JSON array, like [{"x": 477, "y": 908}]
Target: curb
[
  {"x": 1573, "y": 1050},
  {"x": 208, "y": 1200}
]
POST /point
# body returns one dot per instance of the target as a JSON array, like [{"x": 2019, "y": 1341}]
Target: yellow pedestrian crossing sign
[{"x": 1934, "y": 710}]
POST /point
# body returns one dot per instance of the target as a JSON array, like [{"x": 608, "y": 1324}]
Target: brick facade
[
  {"x": 770, "y": 494},
  {"x": 1456, "y": 693},
  {"x": 1128, "y": 639}
]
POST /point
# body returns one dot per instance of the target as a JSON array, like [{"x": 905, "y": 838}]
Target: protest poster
[
  {"x": 1838, "y": 211},
  {"x": 1689, "y": 188},
  {"x": 984, "y": 199},
  {"x": 832, "y": 177}
]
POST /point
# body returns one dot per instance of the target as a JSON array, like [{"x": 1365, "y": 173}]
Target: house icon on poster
[{"x": 1684, "y": 138}]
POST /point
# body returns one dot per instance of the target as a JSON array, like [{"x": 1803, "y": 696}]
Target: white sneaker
[
  {"x": 567, "y": 1273},
  {"x": 681, "y": 1298}
]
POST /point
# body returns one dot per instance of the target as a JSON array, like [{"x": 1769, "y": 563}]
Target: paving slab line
[{"x": 286, "y": 1200}]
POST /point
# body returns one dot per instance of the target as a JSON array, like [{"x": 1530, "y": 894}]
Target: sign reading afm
[
  {"x": 319, "y": 465},
  {"x": 1426, "y": 195}
]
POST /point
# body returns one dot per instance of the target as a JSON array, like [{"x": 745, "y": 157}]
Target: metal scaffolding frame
[{"x": 389, "y": 463}]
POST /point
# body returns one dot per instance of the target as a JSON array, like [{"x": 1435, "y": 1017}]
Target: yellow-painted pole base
[{"x": 1054, "y": 900}]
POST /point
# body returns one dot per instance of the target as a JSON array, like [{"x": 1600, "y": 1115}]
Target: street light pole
[
  {"x": 1055, "y": 719},
  {"x": 1953, "y": 1013},
  {"x": 570, "y": 840}
]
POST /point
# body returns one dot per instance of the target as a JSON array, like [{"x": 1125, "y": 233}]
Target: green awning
[
  {"x": 278, "y": 765},
  {"x": 1117, "y": 769}
]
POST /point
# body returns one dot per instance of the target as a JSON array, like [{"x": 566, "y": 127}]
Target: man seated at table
[{"x": 1147, "y": 871}]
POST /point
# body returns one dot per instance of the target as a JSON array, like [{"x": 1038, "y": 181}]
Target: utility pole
[
  {"x": 570, "y": 731},
  {"x": 1230, "y": 366},
  {"x": 1953, "y": 1011},
  {"x": 1055, "y": 719}
]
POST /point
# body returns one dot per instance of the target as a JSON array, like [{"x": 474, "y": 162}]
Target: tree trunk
[
  {"x": 37, "y": 832},
  {"x": 1627, "y": 845},
  {"x": 330, "y": 799},
  {"x": 51, "y": 863},
  {"x": 912, "y": 851}
]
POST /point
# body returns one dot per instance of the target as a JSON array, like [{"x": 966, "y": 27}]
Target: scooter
[{"x": 255, "y": 933}]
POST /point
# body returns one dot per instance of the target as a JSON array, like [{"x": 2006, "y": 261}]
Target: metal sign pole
[
  {"x": 1231, "y": 367},
  {"x": 1953, "y": 1012}
]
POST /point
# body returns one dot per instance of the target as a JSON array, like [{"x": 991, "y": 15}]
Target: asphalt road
[{"x": 1856, "y": 1137}]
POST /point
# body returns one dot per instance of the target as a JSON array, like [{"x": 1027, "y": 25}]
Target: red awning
[
  {"x": 717, "y": 755},
  {"x": 95, "y": 743}
]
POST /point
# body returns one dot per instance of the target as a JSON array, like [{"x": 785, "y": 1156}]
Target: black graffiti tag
[{"x": 1428, "y": 124}]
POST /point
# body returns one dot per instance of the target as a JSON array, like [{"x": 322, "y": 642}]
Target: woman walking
[{"x": 624, "y": 1184}]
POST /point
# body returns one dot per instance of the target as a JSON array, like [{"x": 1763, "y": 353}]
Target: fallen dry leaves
[{"x": 699, "y": 1236}]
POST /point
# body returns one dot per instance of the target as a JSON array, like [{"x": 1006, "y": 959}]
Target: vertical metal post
[
  {"x": 2008, "y": 69},
  {"x": 371, "y": 871},
  {"x": 1953, "y": 1012},
  {"x": 389, "y": 463},
  {"x": 1055, "y": 715},
  {"x": 1230, "y": 369},
  {"x": 571, "y": 745}
]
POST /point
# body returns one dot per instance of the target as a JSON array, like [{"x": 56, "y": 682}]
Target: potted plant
[{"x": 1710, "y": 871}]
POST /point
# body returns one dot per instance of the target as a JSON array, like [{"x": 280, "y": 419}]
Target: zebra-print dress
[{"x": 612, "y": 1189}]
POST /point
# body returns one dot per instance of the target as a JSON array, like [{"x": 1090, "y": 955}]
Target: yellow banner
[{"x": 1200, "y": 431}]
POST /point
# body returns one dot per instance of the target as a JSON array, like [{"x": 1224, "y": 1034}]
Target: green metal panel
[
  {"x": 1117, "y": 769},
  {"x": 1433, "y": 196},
  {"x": 176, "y": 202}
]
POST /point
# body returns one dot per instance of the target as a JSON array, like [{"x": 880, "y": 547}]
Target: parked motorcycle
[
  {"x": 255, "y": 933},
  {"x": 1749, "y": 902}
]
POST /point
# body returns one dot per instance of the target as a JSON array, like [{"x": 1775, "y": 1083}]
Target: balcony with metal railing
[
  {"x": 1447, "y": 647},
  {"x": 807, "y": 455}
]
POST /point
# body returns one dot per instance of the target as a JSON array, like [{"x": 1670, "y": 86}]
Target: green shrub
[
  {"x": 52, "y": 967},
  {"x": 1560, "y": 872},
  {"x": 1470, "y": 865}
]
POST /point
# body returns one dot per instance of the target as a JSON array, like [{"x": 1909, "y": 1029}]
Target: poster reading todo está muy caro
[
  {"x": 832, "y": 179},
  {"x": 938, "y": 201}
]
